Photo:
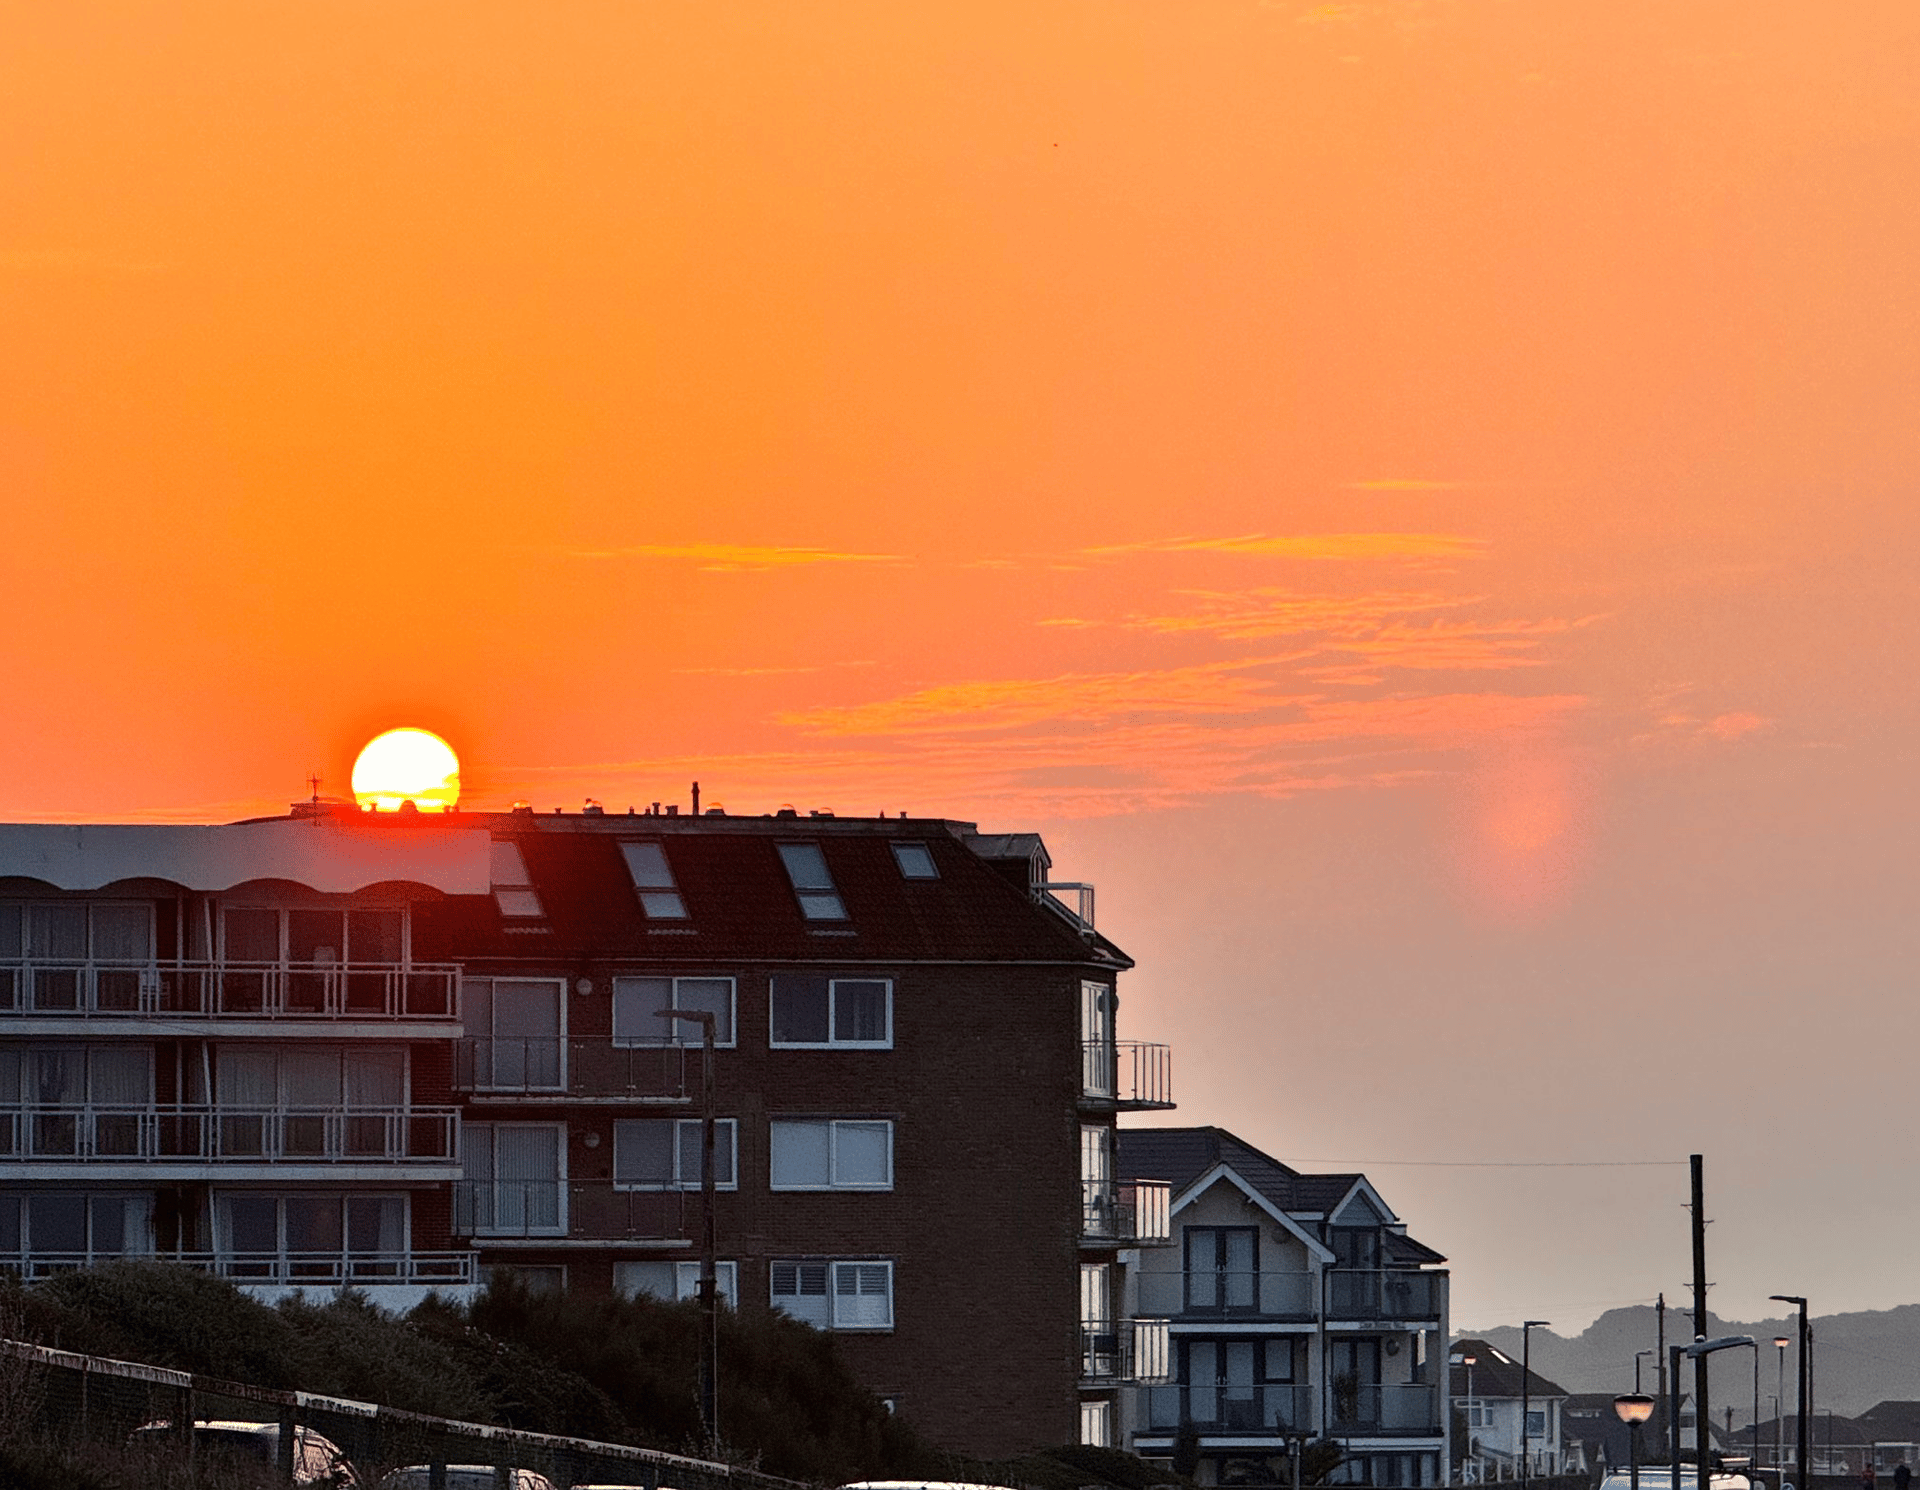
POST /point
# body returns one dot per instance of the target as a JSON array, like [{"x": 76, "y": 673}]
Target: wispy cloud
[
  {"x": 1310, "y": 546},
  {"x": 1266, "y": 611},
  {"x": 733, "y": 558}
]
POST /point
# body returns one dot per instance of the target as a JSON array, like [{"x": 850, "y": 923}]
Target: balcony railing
[
  {"x": 306, "y": 1268},
  {"x": 544, "y": 1066},
  {"x": 1384, "y": 1294},
  {"x": 1126, "y": 1075},
  {"x": 1132, "y": 1213},
  {"x": 1056, "y": 893},
  {"x": 1252, "y": 1409},
  {"x": 525, "y": 1209},
  {"x": 1412, "y": 1409},
  {"x": 227, "y": 990},
  {"x": 229, "y": 1134},
  {"x": 1212, "y": 1293},
  {"x": 1126, "y": 1350}
]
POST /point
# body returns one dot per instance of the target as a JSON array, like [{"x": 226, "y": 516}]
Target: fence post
[{"x": 288, "y": 1441}]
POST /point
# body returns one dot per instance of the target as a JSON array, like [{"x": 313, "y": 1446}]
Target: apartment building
[
  {"x": 400, "y": 1050},
  {"x": 1300, "y": 1310}
]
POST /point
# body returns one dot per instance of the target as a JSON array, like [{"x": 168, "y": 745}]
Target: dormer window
[
  {"x": 653, "y": 880},
  {"x": 513, "y": 891},
  {"x": 807, "y": 868},
  {"x": 915, "y": 861}
]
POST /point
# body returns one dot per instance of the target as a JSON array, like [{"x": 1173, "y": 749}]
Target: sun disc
[{"x": 407, "y": 765}]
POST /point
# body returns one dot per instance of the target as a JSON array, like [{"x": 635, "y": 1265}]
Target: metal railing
[
  {"x": 1213, "y": 1293},
  {"x": 219, "y": 989},
  {"x": 1125, "y": 1350},
  {"x": 1128, "y": 1075},
  {"x": 448, "y": 1268},
  {"x": 1129, "y": 1213},
  {"x": 1384, "y": 1294},
  {"x": 223, "y": 1133},
  {"x": 500, "y": 1066},
  {"x": 520, "y": 1209},
  {"x": 1412, "y": 1408},
  {"x": 1055, "y": 893},
  {"x": 509, "y": 1208},
  {"x": 1250, "y": 1409}
]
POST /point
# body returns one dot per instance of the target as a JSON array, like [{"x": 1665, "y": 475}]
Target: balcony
[
  {"x": 1124, "y": 1352},
  {"x": 1213, "y": 1294},
  {"x": 578, "y": 1070},
  {"x": 329, "y": 993},
  {"x": 1133, "y": 1213},
  {"x": 1126, "y": 1076},
  {"x": 1373, "y": 1294},
  {"x": 1411, "y": 1410},
  {"x": 531, "y": 1210},
  {"x": 1249, "y": 1409},
  {"x": 303, "y": 1268},
  {"x": 197, "y": 1134}
]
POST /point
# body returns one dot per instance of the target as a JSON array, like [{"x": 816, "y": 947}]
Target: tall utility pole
[
  {"x": 1803, "y": 1380},
  {"x": 1702, "y": 1428},
  {"x": 709, "y": 1281},
  {"x": 1660, "y": 1313},
  {"x": 1526, "y": 1396}
]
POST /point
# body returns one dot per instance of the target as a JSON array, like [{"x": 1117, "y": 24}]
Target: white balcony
[
  {"x": 1126, "y": 1076},
  {"x": 39, "y": 1136},
  {"x": 1125, "y": 1351},
  {"x": 320, "y": 994},
  {"x": 307, "y": 1269},
  {"x": 1131, "y": 1213}
]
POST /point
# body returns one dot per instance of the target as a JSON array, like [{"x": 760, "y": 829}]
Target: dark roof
[
  {"x": 1182, "y": 1155},
  {"x": 1893, "y": 1420},
  {"x": 1495, "y": 1373},
  {"x": 741, "y": 905}
]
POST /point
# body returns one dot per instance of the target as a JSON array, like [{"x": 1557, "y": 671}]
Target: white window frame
[
  {"x": 833, "y": 1127},
  {"x": 679, "y": 1031},
  {"x": 559, "y": 1228},
  {"x": 559, "y": 987},
  {"x": 1096, "y": 1423},
  {"x": 686, "y": 1280},
  {"x": 726, "y": 1139},
  {"x": 649, "y": 896},
  {"x": 901, "y": 849},
  {"x": 513, "y": 861},
  {"x": 830, "y": 1043},
  {"x": 836, "y": 1268},
  {"x": 813, "y": 900}
]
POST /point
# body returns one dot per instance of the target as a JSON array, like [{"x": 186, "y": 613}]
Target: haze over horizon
[{"x": 1414, "y": 498}]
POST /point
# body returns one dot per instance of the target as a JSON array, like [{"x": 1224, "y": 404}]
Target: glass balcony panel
[
  {"x": 116, "y": 990},
  {"x": 1383, "y": 1294},
  {"x": 56, "y": 990}
]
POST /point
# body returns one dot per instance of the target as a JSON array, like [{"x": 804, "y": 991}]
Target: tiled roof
[
  {"x": 1182, "y": 1155},
  {"x": 741, "y": 905},
  {"x": 1495, "y": 1373}
]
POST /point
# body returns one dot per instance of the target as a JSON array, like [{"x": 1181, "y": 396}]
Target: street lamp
[
  {"x": 1633, "y": 1408},
  {"x": 1780, "y": 1408},
  {"x": 1527, "y": 1328},
  {"x": 1468, "y": 1362},
  {"x": 1699, "y": 1350},
  {"x": 709, "y": 1283},
  {"x": 1803, "y": 1447}
]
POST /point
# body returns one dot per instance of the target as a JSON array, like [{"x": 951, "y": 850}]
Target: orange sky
[{"x": 1414, "y": 497}]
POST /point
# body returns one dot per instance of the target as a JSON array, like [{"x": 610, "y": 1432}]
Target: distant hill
[{"x": 1858, "y": 1359}]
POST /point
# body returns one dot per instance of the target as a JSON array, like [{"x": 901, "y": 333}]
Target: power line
[{"x": 1508, "y": 1163}]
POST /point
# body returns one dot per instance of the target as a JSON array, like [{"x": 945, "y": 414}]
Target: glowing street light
[{"x": 1633, "y": 1408}]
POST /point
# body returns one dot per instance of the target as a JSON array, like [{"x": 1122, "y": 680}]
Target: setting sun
[{"x": 407, "y": 765}]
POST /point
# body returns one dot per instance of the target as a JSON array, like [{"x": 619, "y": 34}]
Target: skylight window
[
  {"x": 807, "y": 868},
  {"x": 653, "y": 878},
  {"x": 916, "y": 861},
  {"x": 513, "y": 891}
]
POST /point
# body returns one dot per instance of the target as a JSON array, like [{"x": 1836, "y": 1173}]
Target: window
[
  {"x": 1536, "y": 1424},
  {"x": 639, "y": 1004},
  {"x": 1096, "y": 1179},
  {"x": 676, "y": 1282},
  {"x": 832, "y": 1154},
  {"x": 807, "y": 868},
  {"x": 513, "y": 891},
  {"x": 1096, "y": 1424},
  {"x": 42, "y": 1232},
  {"x": 76, "y": 931},
  {"x": 516, "y": 1033},
  {"x": 1479, "y": 1415},
  {"x": 1223, "y": 1268},
  {"x": 77, "y": 1101},
  {"x": 515, "y": 1181},
  {"x": 835, "y": 1295},
  {"x": 321, "y": 1236},
  {"x": 915, "y": 861},
  {"x": 1098, "y": 1054},
  {"x": 653, "y": 881},
  {"x": 311, "y": 936},
  {"x": 812, "y": 1011},
  {"x": 664, "y": 1153}
]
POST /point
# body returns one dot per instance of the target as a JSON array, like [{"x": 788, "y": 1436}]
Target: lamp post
[
  {"x": 1780, "y": 1410},
  {"x": 1698, "y": 1351},
  {"x": 1803, "y": 1446},
  {"x": 1468, "y": 1362},
  {"x": 1633, "y": 1409},
  {"x": 709, "y": 1282},
  {"x": 1527, "y": 1327}
]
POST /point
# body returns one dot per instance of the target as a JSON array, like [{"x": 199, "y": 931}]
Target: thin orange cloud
[
  {"x": 1310, "y": 546},
  {"x": 1246, "y": 615},
  {"x": 734, "y": 558},
  {"x": 1449, "y": 646}
]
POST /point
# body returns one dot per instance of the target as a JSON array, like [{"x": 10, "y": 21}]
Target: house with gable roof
[
  {"x": 1299, "y": 1309},
  {"x": 1493, "y": 1391}
]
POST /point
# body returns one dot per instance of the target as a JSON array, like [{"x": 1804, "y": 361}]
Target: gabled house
[
  {"x": 1507, "y": 1409},
  {"x": 1299, "y": 1309}
]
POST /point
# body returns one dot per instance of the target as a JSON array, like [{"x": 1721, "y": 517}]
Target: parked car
[
  {"x": 317, "y": 1460},
  {"x": 465, "y": 1477},
  {"x": 1660, "y": 1477}
]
